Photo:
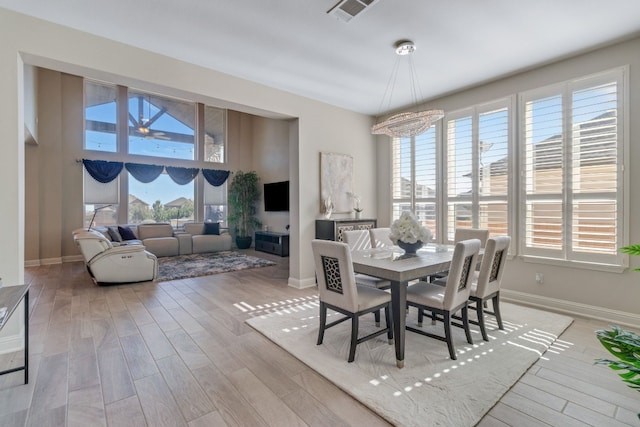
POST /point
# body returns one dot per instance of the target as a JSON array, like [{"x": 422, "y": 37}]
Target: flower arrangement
[
  {"x": 356, "y": 201},
  {"x": 407, "y": 229}
]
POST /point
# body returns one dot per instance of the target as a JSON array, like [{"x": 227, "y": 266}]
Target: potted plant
[
  {"x": 243, "y": 196},
  {"x": 624, "y": 345}
]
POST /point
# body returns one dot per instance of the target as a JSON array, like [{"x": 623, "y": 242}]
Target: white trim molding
[
  {"x": 572, "y": 308},
  {"x": 302, "y": 284}
]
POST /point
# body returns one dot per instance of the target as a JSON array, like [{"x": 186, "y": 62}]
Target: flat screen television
[{"x": 276, "y": 196}]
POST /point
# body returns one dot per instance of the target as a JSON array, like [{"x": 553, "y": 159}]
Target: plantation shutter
[
  {"x": 594, "y": 160},
  {"x": 402, "y": 178},
  {"x": 572, "y": 175},
  {"x": 459, "y": 163},
  {"x": 493, "y": 170},
  {"x": 424, "y": 190},
  {"x": 543, "y": 175}
]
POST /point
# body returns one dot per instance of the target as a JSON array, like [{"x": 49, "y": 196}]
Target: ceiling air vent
[{"x": 346, "y": 10}]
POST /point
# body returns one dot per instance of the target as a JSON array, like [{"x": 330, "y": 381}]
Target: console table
[
  {"x": 272, "y": 242},
  {"x": 332, "y": 229},
  {"x": 10, "y": 297}
]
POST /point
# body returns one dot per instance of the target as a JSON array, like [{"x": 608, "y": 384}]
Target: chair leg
[
  {"x": 465, "y": 323},
  {"x": 420, "y": 316},
  {"x": 496, "y": 310},
  {"x": 354, "y": 337},
  {"x": 323, "y": 322},
  {"x": 376, "y": 314},
  {"x": 447, "y": 333},
  {"x": 387, "y": 319},
  {"x": 480, "y": 312}
]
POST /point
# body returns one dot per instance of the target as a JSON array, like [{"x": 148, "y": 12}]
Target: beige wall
[
  {"x": 599, "y": 293},
  {"x": 319, "y": 127},
  {"x": 313, "y": 127}
]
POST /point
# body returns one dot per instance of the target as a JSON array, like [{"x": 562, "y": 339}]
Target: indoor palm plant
[{"x": 243, "y": 196}]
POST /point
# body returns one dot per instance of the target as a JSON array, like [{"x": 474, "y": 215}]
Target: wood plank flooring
[{"x": 178, "y": 353}]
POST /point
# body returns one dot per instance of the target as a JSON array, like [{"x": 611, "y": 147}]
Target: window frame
[
  {"x": 122, "y": 149},
  {"x": 475, "y": 199},
  {"x": 517, "y": 199},
  {"x": 567, "y": 256}
]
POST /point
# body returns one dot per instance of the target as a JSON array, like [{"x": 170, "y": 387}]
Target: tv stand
[{"x": 272, "y": 242}]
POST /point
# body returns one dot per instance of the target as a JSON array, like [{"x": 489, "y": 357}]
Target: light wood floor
[{"x": 179, "y": 353}]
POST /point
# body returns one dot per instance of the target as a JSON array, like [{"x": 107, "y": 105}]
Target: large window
[
  {"x": 572, "y": 183},
  {"x": 477, "y": 162},
  {"x": 161, "y": 127},
  {"x": 100, "y": 116},
  {"x": 161, "y": 200},
  {"x": 154, "y": 130},
  {"x": 555, "y": 182},
  {"x": 414, "y": 178}
]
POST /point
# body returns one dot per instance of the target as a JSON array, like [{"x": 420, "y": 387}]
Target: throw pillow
[
  {"x": 114, "y": 234},
  {"x": 126, "y": 233},
  {"x": 211, "y": 228}
]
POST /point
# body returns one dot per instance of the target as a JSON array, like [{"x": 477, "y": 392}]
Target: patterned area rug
[
  {"x": 431, "y": 389},
  {"x": 184, "y": 266}
]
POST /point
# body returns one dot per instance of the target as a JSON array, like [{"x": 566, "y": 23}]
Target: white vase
[{"x": 358, "y": 214}]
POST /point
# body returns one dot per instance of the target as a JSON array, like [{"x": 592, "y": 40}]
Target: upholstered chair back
[
  {"x": 334, "y": 273},
  {"x": 492, "y": 267},
  {"x": 380, "y": 237},
  {"x": 481, "y": 234},
  {"x": 357, "y": 239},
  {"x": 463, "y": 264},
  {"x": 91, "y": 243}
]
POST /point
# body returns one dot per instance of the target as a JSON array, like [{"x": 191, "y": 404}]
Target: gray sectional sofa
[{"x": 162, "y": 240}]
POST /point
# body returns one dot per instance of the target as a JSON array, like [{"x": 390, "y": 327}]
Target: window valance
[
  {"x": 215, "y": 177},
  {"x": 104, "y": 172},
  {"x": 101, "y": 170},
  {"x": 144, "y": 173},
  {"x": 182, "y": 176}
]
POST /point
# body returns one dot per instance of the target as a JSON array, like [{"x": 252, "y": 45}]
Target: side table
[{"x": 10, "y": 297}]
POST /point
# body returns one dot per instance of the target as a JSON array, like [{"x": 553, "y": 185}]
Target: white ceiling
[{"x": 294, "y": 45}]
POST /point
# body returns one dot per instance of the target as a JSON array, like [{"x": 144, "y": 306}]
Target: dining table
[{"x": 400, "y": 268}]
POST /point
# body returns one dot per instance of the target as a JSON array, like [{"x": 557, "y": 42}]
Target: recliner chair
[{"x": 110, "y": 264}]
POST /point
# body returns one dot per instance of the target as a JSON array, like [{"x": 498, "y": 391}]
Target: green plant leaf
[
  {"x": 631, "y": 250},
  {"x": 625, "y": 345}
]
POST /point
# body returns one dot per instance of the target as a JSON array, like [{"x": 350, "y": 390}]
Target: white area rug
[{"x": 431, "y": 389}]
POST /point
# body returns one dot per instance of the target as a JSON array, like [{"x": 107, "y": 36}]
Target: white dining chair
[
  {"x": 486, "y": 283},
  {"x": 338, "y": 291},
  {"x": 444, "y": 302},
  {"x": 359, "y": 240},
  {"x": 380, "y": 237}
]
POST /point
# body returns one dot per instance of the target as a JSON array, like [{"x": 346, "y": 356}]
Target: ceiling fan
[{"x": 142, "y": 125}]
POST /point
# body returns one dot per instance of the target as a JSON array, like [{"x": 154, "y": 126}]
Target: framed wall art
[{"x": 336, "y": 181}]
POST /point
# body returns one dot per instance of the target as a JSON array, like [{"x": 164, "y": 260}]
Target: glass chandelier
[{"x": 408, "y": 123}]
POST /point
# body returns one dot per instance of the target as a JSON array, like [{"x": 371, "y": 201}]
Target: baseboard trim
[
  {"x": 301, "y": 284},
  {"x": 32, "y": 263},
  {"x": 12, "y": 343},
  {"x": 572, "y": 308},
  {"x": 52, "y": 261}
]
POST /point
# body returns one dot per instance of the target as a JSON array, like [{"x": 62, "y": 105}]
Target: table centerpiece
[{"x": 408, "y": 233}]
